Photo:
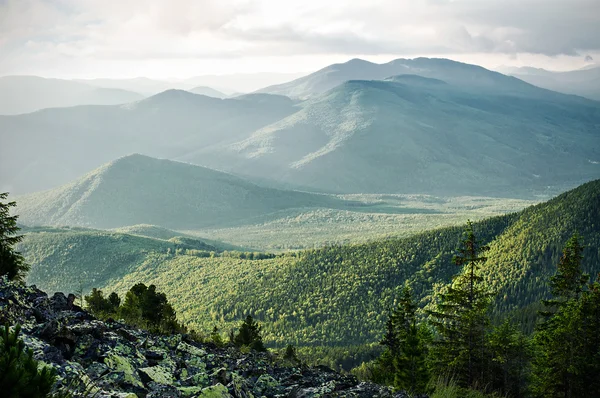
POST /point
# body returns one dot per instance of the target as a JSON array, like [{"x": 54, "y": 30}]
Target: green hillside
[
  {"x": 417, "y": 134},
  {"x": 65, "y": 259},
  {"x": 141, "y": 190},
  {"x": 340, "y": 295}
]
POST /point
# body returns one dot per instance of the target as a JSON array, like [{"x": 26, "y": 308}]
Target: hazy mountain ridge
[
  {"x": 205, "y": 90},
  {"x": 25, "y": 94},
  {"x": 457, "y": 73},
  {"x": 440, "y": 127},
  {"x": 174, "y": 124},
  {"x": 584, "y": 82}
]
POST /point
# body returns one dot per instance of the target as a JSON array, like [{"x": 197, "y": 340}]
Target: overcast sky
[{"x": 182, "y": 38}]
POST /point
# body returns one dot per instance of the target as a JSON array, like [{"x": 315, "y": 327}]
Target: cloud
[{"x": 52, "y": 32}]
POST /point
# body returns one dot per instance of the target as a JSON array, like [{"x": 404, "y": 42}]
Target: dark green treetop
[{"x": 249, "y": 335}]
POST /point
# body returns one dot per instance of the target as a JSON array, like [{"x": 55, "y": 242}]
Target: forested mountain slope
[
  {"x": 413, "y": 134},
  {"x": 340, "y": 295}
]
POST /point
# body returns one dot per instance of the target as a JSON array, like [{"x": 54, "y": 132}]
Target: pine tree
[
  {"x": 12, "y": 263},
  {"x": 290, "y": 354},
  {"x": 461, "y": 318},
  {"x": 20, "y": 374},
  {"x": 589, "y": 341},
  {"x": 249, "y": 335},
  {"x": 215, "y": 337}
]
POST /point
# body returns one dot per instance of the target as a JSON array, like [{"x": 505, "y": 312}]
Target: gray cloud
[{"x": 41, "y": 30}]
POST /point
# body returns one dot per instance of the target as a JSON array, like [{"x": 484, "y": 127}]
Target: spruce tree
[
  {"x": 12, "y": 263},
  {"x": 569, "y": 280},
  {"x": 568, "y": 341},
  {"x": 461, "y": 318}
]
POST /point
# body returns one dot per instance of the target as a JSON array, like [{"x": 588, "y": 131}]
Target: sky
[{"x": 184, "y": 38}]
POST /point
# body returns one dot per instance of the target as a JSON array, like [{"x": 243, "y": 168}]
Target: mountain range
[
  {"x": 414, "y": 134},
  {"x": 408, "y": 126},
  {"x": 52, "y": 147}
]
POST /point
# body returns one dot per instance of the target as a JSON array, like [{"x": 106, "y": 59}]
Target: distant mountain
[
  {"x": 24, "y": 94},
  {"x": 459, "y": 74},
  {"x": 138, "y": 189},
  {"x": 584, "y": 82},
  {"x": 437, "y": 126},
  {"x": 415, "y": 134},
  {"x": 210, "y": 92},
  {"x": 240, "y": 82},
  {"x": 142, "y": 85},
  {"x": 52, "y": 147}
]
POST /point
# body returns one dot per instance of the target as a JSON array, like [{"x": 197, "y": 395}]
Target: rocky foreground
[{"x": 111, "y": 359}]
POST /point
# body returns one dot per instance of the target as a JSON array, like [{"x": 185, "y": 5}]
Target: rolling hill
[
  {"x": 138, "y": 189},
  {"x": 54, "y": 146},
  {"x": 25, "y": 94},
  {"x": 99, "y": 256},
  {"x": 415, "y": 134}
]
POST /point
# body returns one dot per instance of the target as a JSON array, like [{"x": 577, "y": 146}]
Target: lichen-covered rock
[
  {"x": 216, "y": 391},
  {"x": 111, "y": 359},
  {"x": 156, "y": 374}
]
